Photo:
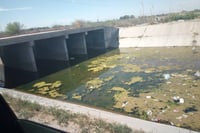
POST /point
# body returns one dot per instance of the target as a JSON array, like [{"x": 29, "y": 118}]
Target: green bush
[
  {"x": 185, "y": 16},
  {"x": 13, "y": 28}
]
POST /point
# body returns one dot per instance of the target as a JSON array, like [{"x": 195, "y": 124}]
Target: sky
[{"x": 42, "y": 13}]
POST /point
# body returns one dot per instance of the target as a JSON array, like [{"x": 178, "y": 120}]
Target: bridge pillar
[
  {"x": 76, "y": 44},
  {"x": 95, "y": 40},
  {"x": 19, "y": 56},
  {"x": 111, "y": 36},
  {"x": 52, "y": 49}
]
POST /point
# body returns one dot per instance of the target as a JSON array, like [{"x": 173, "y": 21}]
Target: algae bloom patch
[
  {"x": 134, "y": 80},
  {"x": 94, "y": 84},
  {"x": 48, "y": 89}
]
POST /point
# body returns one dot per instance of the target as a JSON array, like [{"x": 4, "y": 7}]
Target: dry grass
[{"x": 64, "y": 119}]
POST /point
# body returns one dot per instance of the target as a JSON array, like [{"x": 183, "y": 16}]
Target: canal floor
[{"x": 155, "y": 84}]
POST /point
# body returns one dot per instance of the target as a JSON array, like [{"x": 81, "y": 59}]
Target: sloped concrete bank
[
  {"x": 181, "y": 33},
  {"x": 134, "y": 123}
]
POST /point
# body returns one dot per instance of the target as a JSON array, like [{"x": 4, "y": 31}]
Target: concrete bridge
[{"x": 21, "y": 52}]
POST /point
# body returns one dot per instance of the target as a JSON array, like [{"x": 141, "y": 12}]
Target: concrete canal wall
[{"x": 181, "y": 33}]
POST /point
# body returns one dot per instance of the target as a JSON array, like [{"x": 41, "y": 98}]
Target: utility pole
[
  {"x": 142, "y": 5},
  {"x": 152, "y": 16}
]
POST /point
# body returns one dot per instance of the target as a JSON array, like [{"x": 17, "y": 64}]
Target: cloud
[{"x": 14, "y": 9}]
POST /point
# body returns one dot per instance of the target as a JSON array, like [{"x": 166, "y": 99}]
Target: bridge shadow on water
[{"x": 16, "y": 77}]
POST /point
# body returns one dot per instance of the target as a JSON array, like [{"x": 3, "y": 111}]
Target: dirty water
[{"x": 155, "y": 84}]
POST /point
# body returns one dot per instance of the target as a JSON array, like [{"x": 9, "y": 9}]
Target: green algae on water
[{"x": 131, "y": 81}]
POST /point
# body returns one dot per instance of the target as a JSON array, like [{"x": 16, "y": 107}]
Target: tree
[
  {"x": 13, "y": 28},
  {"x": 127, "y": 17},
  {"x": 78, "y": 23}
]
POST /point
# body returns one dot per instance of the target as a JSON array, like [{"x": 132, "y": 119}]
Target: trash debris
[
  {"x": 149, "y": 112},
  {"x": 169, "y": 82},
  {"x": 163, "y": 111},
  {"x": 194, "y": 50},
  {"x": 124, "y": 104},
  {"x": 148, "y": 97},
  {"x": 172, "y": 123},
  {"x": 182, "y": 116},
  {"x": 197, "y": 74},
  {"x": 166, "y": 76},
  {"x": 175, "y": 111},
  {"x": 179, "y": 118},
  {"x": 155, "y": 119},
  {"x": 181, "y": 100},
  {"x": 190, "y": 109},
  {"x": 185, "y": 116},
  {"x": 177, "y": 99},
  {"x": 91, "y": 87},
  {"x": 184, "y": 84}
]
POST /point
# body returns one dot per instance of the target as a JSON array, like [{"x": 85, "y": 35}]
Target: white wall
[{"x": 168, "y": 34}]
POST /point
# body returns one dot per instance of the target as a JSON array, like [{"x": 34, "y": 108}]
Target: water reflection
[{"x": 16, "y": 77}]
